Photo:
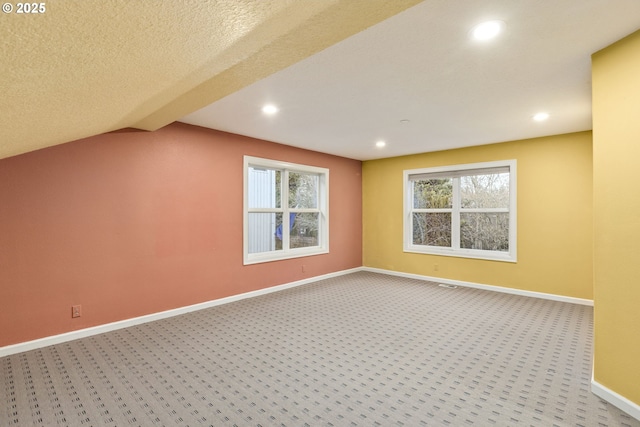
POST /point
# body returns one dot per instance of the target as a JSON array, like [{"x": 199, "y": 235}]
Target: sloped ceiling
[{"x": 85, "y": 67}]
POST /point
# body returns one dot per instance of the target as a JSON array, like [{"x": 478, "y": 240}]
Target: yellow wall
[
  {"x": 554, "y": 216},
  {"x": 616, "y": 161}
]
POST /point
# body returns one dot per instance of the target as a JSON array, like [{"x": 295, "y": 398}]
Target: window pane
[
  {"x": 265, "y": 232},
  {"x": 263, "y": 188},
  {"x": 303, "y": 190},
  {"x": 433, "y": 193},
  {"x": 304, "y": 230},
  {"x": 432, "y": 229},
  {"x": 485, "y": 191},
  {"x": 484, "y": 231}
]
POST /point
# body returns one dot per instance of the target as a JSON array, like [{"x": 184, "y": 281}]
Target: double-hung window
[
  {"x": 464, "y": 210},
  {"x": 286, "y": 210}
]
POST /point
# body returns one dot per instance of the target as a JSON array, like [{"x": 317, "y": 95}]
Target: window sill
[
  {"x": 470, "y": 253},
  {"x": 271, "y": 256}
]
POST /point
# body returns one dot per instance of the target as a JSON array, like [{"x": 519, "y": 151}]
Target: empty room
[{"x": 319, "y": 213}]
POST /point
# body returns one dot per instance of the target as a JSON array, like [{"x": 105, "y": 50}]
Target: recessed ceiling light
[
  {"x": 487, "y": 30},
  {"x": 270, "y": 109},
  {"x": 541, "y": 117},
  {"x": 380, "y": 144}
]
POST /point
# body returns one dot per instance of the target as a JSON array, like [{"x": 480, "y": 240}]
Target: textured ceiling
[
  {"x": 421, "y": 65},
  {"x": 85, "y": 67}
]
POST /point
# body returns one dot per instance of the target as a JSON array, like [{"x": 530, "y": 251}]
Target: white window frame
[
  {"x": 323, "y": 211},
  {"x": 455, "y": 250}
]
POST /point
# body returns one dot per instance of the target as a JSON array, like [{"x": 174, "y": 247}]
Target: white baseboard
[
  {"x": 615, "y": 399},
  {"x": 485, "y": 287},
  {"x": 82, "y": 333}
]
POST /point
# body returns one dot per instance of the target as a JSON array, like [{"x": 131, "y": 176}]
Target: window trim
[
  {"x": 459, "y": 170},
  {"x": 323, "y": 210}
]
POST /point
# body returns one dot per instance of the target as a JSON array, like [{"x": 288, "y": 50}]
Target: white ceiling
[{"x": 422, "y": 66}]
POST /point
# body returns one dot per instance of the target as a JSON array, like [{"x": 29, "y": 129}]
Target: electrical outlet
[
  {"x": 436, "y": 267},
  {"x": 76, "y": 310},
  {"x": 304, "y": 268}
]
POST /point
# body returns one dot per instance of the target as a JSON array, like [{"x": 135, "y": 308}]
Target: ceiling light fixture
[
  {"x": 270, "y": 109},
  {"x": 541, "y": 117},
  {"x": 380, "y": 144},
  {"x": 487, "y": 30}
]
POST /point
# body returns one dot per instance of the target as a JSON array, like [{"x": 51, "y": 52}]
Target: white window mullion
[
  {"x": 455, "y": 215},
  {"x": 433, "y": 210},
  {"x": 284, "y": 191},
  {"x": 408, "y": 229},
  {"x": 485, "y": 210},
  {"x": 304, "y": 210}
]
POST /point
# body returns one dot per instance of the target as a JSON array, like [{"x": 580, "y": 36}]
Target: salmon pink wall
[{"x": 132, "y": 223}]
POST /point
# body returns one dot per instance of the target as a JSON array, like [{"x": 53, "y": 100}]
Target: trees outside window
[{"x": 465, "y": 210}]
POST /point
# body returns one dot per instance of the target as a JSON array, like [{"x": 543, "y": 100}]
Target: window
[
  {"x": 286, "y": 210},
  {"x": 465, "y": 210}
]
